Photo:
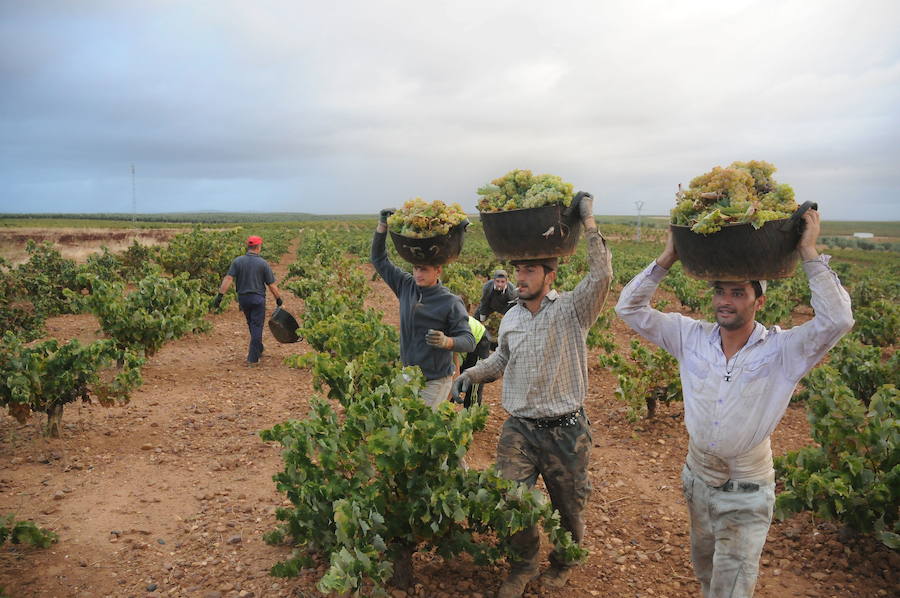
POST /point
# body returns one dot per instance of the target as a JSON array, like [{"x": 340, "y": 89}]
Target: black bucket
[
  {"x": 283, "y": 326},
  {"x": 532, "y": 233},
  {"x": 741, "y": 252},
  {"x": 431, "y": 251}
]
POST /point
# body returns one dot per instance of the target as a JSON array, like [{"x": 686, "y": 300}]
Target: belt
[
  {"x": 736, "y": 486},
  {"x": 560, "y": 421}
]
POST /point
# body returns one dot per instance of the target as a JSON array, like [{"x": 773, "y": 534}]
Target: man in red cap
[{"x": 251, "y": 275}]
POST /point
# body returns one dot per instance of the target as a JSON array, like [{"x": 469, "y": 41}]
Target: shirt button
[
  {"x": 721, "y": 401},
  {"x": 712, "y": 444},
  {"x": 716, "y": 423}
]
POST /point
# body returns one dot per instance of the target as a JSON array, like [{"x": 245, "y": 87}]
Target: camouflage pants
[{"x": 560, "y": 456}]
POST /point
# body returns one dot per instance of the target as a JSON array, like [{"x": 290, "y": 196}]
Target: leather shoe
[
  {"x": 555, "y": 577},
  {"x": 514, "y": 584}
]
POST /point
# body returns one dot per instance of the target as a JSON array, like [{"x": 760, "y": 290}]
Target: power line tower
[
  {"x": 640, "y": 206},
  {"x": 133, "y": 199}
]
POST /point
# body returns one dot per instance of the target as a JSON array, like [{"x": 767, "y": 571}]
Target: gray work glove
[
  {"x": 438, "y": 340},
  {"x": 384, "y": 214},
  {"x": 459, "y": 386},
  {"x": 585, "y": 207}
]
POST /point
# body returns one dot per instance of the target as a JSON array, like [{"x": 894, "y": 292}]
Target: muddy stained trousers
[
  {"x": 254, "y": 308},
  {"x": 728, "y": 532},
  {"x": 560, "y": 456}
]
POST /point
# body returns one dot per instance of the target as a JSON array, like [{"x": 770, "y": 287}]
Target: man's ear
[
  {"x": 550, "y": 278},
  {"x": 760, "y": 301}
]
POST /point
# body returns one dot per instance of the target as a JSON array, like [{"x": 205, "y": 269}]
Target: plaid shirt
[{"x": 543, "y": 357}]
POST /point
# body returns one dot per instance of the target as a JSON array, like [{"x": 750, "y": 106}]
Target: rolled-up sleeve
[{"x": 590, "y": 294}]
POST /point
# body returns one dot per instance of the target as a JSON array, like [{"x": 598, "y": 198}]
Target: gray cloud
[{"x": 350, "y": 107}]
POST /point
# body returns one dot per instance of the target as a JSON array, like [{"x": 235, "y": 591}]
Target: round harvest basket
[
  {"x": 431, "y": 251},
  {"x": 741, "y": 252},
  {"x": 532, "y": 233},
  {"x": 283, "y": 326}
]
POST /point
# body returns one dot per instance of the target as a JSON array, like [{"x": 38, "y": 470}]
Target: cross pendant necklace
[{"x": 728, "y": 370}]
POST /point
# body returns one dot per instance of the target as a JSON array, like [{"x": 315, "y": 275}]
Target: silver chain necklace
[{"x": 728, "y": 370}]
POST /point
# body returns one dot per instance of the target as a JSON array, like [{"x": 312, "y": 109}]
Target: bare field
[{"x": 78, "y": 243}]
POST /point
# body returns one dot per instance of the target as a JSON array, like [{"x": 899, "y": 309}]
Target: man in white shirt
[{"x": 738, "y": 378}]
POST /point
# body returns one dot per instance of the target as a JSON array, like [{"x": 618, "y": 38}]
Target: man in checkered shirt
[{"x": 542, "y": 357}]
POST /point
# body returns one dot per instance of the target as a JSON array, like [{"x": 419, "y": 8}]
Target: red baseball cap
[{"x": 254, "y": 240}]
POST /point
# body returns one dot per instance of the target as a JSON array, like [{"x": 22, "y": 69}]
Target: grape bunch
[
  {"x": 420, "y": 220},
  {"x": 745, "y": 192},
  {"x": 521, "y": 189}
]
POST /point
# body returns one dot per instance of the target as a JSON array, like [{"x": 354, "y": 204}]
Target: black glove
[
  {"x": 217, "y": 301},
  {"x": 460, "y": 385},
  {"x": 384, "y": 214},
  {"x": 279, "y": 302}
]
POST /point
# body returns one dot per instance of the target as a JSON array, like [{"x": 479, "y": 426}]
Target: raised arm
[
  {"x": 634, "y": 308},
  {"x": 392, "y": 275},
  {"x": 590, "y": 294},
  {"x": 806, "y": 344}
]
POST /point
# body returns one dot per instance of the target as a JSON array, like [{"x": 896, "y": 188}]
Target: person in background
[
  {"x": 497, "y": 295},
  {"x": 251, "y": 275},
  {"x": 738, "y": 378},
  {"x": 482, "y": 351},
  {"x": 542, "y": 356},
  {"x": 433, "y": 321}
]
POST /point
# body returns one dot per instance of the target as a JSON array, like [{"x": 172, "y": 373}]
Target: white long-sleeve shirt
[{"x": 732, "y": 406}]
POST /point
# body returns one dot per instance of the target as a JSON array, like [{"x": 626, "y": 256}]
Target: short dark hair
[{"x": 755, "y": 284}]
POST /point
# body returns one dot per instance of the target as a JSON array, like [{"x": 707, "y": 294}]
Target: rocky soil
[{"x": 170, "y": 495}]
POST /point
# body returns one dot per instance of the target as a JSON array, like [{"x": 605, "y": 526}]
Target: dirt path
[{"x": 170, "y": 495}]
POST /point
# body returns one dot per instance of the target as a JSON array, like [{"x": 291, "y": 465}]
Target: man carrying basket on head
[
  {"x": 433, "y": 321},
  {"x": 738, "y": 378},
  {"x": 542, "y": 357}
]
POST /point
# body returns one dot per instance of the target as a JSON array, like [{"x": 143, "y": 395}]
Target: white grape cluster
[
  {"x": 519, "y": 189},
  {"x": 420, "y": 220},
  {"x": 745, "y": 192}
]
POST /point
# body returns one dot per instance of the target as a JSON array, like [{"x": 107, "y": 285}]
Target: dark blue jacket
[{"x": 422, "y": 308}]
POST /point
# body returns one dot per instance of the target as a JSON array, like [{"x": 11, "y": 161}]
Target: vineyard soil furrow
[{"x": 171, "y": 494}]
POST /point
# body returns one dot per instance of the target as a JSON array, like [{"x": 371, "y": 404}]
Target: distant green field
[
  {"x": 163, "y": 219},
  {"x": 829, "y": 227}
]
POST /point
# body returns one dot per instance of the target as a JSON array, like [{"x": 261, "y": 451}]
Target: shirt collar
[
  {"x": 553, "y": 295},
  {"x": 759, "y": 333}
]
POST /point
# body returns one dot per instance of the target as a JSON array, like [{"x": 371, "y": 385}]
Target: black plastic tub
[
  {"x": 283, "y": 326},
  {"x": 532, "y": 233},
  {"x": 741, "y": 252},
  {"x": 431, "y": 251}
]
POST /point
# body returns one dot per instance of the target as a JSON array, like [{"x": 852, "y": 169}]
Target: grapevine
[{"x": 47, "y": 376}]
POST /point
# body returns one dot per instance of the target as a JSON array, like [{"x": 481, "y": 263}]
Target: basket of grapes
[
  {"x": 428, "y": 233},
  {"x": 528, "y": 216},
  {"x": 737, "y": 223}
]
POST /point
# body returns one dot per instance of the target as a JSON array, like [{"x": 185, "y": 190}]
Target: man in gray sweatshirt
[{"x": 433, "y": 321}]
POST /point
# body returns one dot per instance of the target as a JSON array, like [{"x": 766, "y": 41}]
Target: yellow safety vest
[{"x": 477, "y": 329}]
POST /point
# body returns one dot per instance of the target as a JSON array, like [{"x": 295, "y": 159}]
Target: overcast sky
[{"x": 347, "y": 107}]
